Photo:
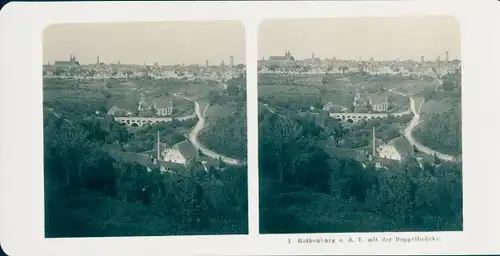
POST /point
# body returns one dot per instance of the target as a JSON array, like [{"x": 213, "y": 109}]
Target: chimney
[
  {"x": 373, "y": 142},
  {"x": 158, "y": 153}
]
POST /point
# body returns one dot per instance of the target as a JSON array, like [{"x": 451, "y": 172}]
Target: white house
[
  {"x": 396, "y": 149},
  {"x": 181, "y": 153},
  {"x": 389, "y": 152}
]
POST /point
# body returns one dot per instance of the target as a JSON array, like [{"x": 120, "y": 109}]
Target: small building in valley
[
  {"x": 393, "y": 152},
  {"x": 379, "y": 103},
  {"x": 163, "y": 107},
  {"x": 183, "y": 153}
]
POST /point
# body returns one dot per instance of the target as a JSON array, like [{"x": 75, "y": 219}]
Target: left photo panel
[{"x": 145, "y": 129}]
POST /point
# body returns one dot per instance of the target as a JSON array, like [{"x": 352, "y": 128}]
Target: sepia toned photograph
[
  {"x": 145, "y": 129},
  {"x": 360, "y": 126}
]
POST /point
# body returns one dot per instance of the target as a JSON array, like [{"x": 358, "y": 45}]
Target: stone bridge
[
  {"x": 355, "y": 117},
  {"x": 136, "y": 121}
]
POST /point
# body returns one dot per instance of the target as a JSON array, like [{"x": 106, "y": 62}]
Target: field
[
  {"x": 72, "y": 95},
  {"x": 127, "y": 97},
  {"x": 413, "y": 87},
  {"x": 434, "y": 107},
  {"x": 325, "y": 94},
  {"x": 185, "y": 88},
  {"x": 217, "y": 111},
  {"x": 55, "y": 94},
  {"x": 287, "y": 90},
  {"x": 340, "y": 89}
]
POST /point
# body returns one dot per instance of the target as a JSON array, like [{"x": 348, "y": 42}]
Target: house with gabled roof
[
  {"x": 183, "y": 153},
  {"x": 163, "y": 106},
  {"x": 379, "y": 103},
  {"x": 397, "y": 149}
]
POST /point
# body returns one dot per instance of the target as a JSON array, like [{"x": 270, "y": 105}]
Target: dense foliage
[
  {"x": 443, "y": 131},
  {"x": 227, "y": 134},
  {"x": 171, "y": 133},
  {"x": 442, "y": 128},
  {"x": 304, "y": 190},
  {"x": 88, "y": 193}
]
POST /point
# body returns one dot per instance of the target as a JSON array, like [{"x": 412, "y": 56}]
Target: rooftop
[
  {"x": 162, "y": 103},
  {"x": 401, "y": 145},
  {"x": 377, "y": 99},
  {"x": 186, "y": 148}
]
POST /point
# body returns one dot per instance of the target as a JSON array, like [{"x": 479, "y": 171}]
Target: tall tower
[
  {"x": 422, "y": 60},
  {"x": 446, "y": 58},
  {"x": 206, "y": 63},
  {"x": 231, "y": 61},
  {"x": 98, "y": 59},
  {"x": 313, "y": 57},
  {"x": 373, "y": 142}
]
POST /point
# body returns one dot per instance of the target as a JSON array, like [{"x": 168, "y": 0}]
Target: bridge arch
[{"x": 137, "y": 121}]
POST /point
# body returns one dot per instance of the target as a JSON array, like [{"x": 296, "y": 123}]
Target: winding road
[
  {"x": 408, "y": 132},
  {"x": 193, "y": 136}
]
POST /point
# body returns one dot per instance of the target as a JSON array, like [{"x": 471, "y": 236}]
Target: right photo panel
[{"x": 360, "y": 125}]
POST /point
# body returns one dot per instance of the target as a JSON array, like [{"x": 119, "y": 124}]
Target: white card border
[{"x": 21, "y": 26}]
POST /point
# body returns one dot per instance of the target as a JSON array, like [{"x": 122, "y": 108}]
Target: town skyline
[
  {"x": 167, "y": 43},
  {"x": 363, "y": 58},
  {"x": 384, "y": 39}
]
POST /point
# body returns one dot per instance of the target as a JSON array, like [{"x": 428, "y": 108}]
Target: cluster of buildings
[
  {"x": 381, "y": 155},
  {"x": 180, "y": 156},
  {"x": 148, "y": 106},
  {"x": 287, "y": 64},
  {"x": 99, "y": 70},
  {"x": 362, "y": 103},
  {"x": 175, "y": 158}
]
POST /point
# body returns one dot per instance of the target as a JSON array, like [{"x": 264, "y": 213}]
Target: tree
[
  {"x": 213, "y": 97},
  {"x": 448, "y": 85},
  {"x": 73, "y": 149},
  {"x": 154, "y": 111},
  {"x": 369, "y": 107},
  {"x": 290, "y": 147},
  {"x": 233, "y": 89}
]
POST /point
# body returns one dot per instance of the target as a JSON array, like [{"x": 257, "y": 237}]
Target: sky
[
  {"x": 168, "y": 43},
  {"x": 382, "y": 38}
]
